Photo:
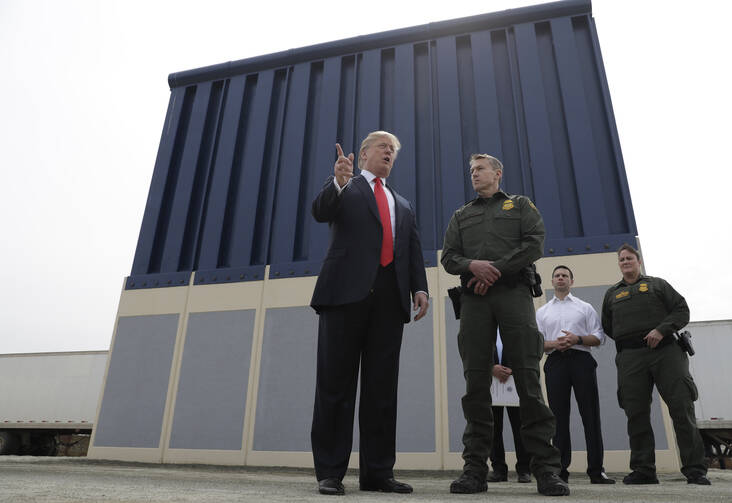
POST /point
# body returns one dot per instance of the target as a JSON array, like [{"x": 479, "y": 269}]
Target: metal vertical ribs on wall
[{"x": 248, "y": 144}]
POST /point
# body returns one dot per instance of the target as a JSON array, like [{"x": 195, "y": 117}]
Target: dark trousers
[
  {"x": 667, "y": 368},
  {"x": 512, "y": 310},
  {"x": 564, "y": 371},
  {"x": 498, "y": 452},
  {"x": 369, "y": 333}
]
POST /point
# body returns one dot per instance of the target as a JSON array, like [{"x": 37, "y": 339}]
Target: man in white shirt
[{"x": 570, "y": 326}]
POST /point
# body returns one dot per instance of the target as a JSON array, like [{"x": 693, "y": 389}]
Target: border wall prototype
[{"x": 213, "y": 354}]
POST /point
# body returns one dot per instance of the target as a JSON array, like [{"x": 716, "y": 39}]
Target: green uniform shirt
[
  {"x": 505, "y": 229},
  {"x": 630, "y": 311}
]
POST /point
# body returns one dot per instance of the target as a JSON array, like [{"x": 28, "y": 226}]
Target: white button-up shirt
[{"x": 571, "y": 314}]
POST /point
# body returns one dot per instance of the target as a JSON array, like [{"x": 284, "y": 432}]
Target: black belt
[{"x": 636, "y": 343}]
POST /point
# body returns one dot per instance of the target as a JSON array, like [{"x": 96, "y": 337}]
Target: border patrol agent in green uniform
[
  {"x": 490, "y": 242},
  {"x": 641, "y": 313}
]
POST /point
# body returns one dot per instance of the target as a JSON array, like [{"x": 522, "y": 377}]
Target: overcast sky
[{"x": 83, "y": 96}]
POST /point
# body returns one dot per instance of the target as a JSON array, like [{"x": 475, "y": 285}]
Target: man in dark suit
[{"x": 374, "y": 262}]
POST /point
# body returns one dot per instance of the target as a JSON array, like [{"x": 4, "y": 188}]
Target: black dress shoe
[
  {"x": 634, "y": 478},
  {"x": 386, "y": 486},
  {"x": 524, "y": 477},
  {"x": 601, "y": 478},
  {"x": 333, "y": 487},
  {"x": 549, "y": 484},
  {"x": 564, "y": 475},
  {"x": 468, "y": 483},
  {"x": 698, "y": 479},
  {"x": 495, "y": 476}
]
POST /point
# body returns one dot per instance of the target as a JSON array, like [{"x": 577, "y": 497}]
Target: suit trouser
[
  {"x": 368, "y": 332},
  {"x": 498, "y": 452},
  {"x": 564, "y": 371},
  {"x": 667, "y": 368},
  {"x": 512, "y": 310}
]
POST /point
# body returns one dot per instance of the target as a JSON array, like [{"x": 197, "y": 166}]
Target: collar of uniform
[
  {"x": 369, "y": 176},
  {"x": 640, "y": 278},
  {"x": 499, "y": 194}
]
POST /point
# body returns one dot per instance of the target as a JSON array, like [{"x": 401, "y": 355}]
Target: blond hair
[
  {"x": 366, "y": 143},
  {"x": 495, "y": 163}
]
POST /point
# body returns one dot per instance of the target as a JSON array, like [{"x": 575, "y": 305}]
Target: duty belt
[{"x": 637, "y": 343}]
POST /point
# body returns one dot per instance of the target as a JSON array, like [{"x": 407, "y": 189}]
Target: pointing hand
[{"x": 343, "y": 168}]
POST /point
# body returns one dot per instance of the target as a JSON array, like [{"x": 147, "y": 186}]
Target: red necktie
[{"x": 387, "y": 241}]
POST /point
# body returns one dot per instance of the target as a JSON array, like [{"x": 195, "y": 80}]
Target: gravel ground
[{"x": 25, "y": 479}]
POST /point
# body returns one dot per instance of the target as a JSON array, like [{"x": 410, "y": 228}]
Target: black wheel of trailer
[{"x": 9, "y": 443}]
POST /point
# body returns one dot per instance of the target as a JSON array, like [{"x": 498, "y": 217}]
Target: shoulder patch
[{"x": 531, "y": 203}]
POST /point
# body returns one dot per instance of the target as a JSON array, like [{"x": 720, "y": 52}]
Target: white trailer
[
  {"x": 46, "y": 396},
  {"x": 712, "y": 373}
]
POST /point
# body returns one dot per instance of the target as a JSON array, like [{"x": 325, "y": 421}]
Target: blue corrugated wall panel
[{"x": 247, "y": 145}]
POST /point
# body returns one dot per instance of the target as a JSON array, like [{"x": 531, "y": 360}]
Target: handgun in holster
[{"x": 684, "y": 340}]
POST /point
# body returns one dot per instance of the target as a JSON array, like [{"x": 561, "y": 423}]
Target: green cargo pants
[
  {"x": 511, "y": 309},
  {"x": 667, "y": 368}
]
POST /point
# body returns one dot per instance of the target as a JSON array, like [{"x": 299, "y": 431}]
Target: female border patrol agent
[{"x": 641, "y": 313}]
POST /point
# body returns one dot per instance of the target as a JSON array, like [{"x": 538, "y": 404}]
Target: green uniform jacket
[
  {"x": 629, "y": 312},
  {"x": 505, "y": 229}
]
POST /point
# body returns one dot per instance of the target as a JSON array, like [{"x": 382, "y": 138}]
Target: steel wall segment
[
  {"x": 541, "y": 151},
  {"x": 386, "y": 90},
  {"x": 510, "y": 114},
  {"x": 450, "y": 172},
  {"x": 468, "y": 117},
  {"x": 581, "y": 142},
  {"x": 304, "y": 222},
  {"x": 161, "y": 172},
  {"x": 245, "y": 193},
  {"x": 268, "y": 182},
  {"x": 561, "y": 150},
  {"x": 404, "y": 175},
  {"x": 185, "y": 183},
  {"x": 346, "y": 133},
  {"x": 368, "y": 101},
  {"x": 486, "y": 95},
  {"x": 610, "y": 157},
  {"x": 425, "y": 149},
  {"x": 213, "y": 225},
  {"x": 205, "y": 167},
  {"x": 291, "y": 169},
  {"x": 324, "y": 151}
]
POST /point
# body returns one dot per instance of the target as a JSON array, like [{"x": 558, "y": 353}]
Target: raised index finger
[{"x": 339, "y": 150}]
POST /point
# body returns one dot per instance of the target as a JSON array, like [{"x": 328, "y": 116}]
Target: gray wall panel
[
  {"x": 287, "y": 384},
  {"x": 286, "y": 380},
  {"x": 212, "y": 388},
  {"x": 137, "y": 382},
  {"x": 455, "y": 380},
  {"x": 416, "y": 398}
]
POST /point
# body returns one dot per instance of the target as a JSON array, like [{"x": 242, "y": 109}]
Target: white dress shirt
[
  {"x": 370, "y": 177},
  {"x": 571, "y": 314}
]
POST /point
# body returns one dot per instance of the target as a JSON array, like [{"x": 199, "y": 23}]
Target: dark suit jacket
[{"x": 350, "y": 266}]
